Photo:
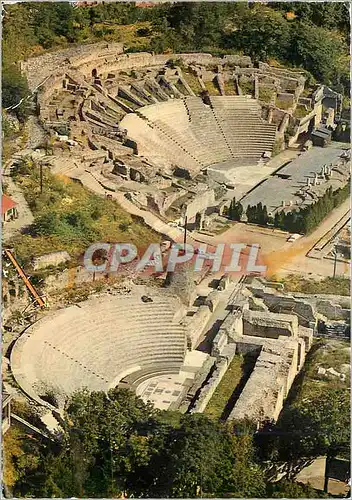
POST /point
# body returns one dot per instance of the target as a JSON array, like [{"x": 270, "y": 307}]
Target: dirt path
[
  {"x": 25, "y": 216},
  {"x": 294, "y": 258}
]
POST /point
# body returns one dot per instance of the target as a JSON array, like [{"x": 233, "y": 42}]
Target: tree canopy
[
  {"x": 315, "y": 36},
  {"x": 114, "y": 444}
]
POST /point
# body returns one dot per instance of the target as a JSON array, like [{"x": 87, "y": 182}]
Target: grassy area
[
  {"x": 247, "y": 87},
  {"x": 283, "y": 103},
  {"x": 325, "y": 353},
  {"x": 192, "y": 81},
  {"x": 301, "y": 112},
  {"x": 212, "y": 88},
  {"x": 230, "y": 88},
  {"x": 334, "y": 286},
  {"x": 221, "y": 228},
  {"x": 266, "y": 94},
  {"x": 67, "y": 216},
  {"x": 82, "y": 291},
  {"x": 226, "y": 388},
  {"x": 128, "y": 103}
]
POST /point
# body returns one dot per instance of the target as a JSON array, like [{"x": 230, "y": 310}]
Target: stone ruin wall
[
  {"x": 51, "y": 259},
  {"x": 307, "y": 306},
  {"x": 305, "y": 310},
  {"x": 40, "y": 67},
  {"x": 108, "y": 57},
  {"x": 269, "y": 325},
  {"x": 200, "y": 203},
  {"x": 210, "y": 386},
  {"x": 269, "y": 383},
  {"x": 196, "y": 324},
  {"x": 278, "y": 342}
]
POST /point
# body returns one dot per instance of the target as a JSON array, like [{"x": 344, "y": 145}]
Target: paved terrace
[{"x": 284, "y": 184}]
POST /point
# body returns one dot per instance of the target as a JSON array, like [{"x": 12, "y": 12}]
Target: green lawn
[
  {"x": 225, "y": 389},
  {"x": 266, "y": 94},
  {"x": 282, "y": 104},
  {"x": 212, "y": 88},
  {"x": 301, "y": 111},
  {"x": 230, "y": 88}
]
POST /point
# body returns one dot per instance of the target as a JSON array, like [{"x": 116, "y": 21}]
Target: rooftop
[{"x": 7, "y": 203}]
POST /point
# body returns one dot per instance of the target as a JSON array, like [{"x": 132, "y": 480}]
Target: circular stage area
[{"x": 96, "y": 343}]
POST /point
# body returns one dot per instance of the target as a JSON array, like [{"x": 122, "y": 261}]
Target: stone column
[
  {"x": 270, "y": 115},
  {"x": 256, "y": 87}
]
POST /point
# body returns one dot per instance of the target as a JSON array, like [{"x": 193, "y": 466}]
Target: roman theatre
[
  {"x": 173, "y": 134},
  {"x": 178, "y": 134}
]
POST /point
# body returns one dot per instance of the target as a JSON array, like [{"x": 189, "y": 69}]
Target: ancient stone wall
[
  {"x": 51, "y": 259},
  {"x": 200, "y": 203},
  {"x": 196, "y": 324},
  {"x": 285, "y": 303},
  {"x": 219, "y": 342},
  {"x": 209, "y": 388},
  {"x": 332, "y": 311},
  {"x": 242, "y": 61},
  {"x": 212, "y": 300},
  {"x": 343, "y": 300},
  {"x": 40, "y": 67},
  {"x": 269, "y": 383},
  {"x": 269, "y": 325},
  {"x": 103, "y": 57}
]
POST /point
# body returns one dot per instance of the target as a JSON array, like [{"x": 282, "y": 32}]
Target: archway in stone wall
[{"x": 94, "y": 73}]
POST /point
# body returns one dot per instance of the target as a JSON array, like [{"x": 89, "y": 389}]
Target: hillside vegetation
[
  {"x": 67, "y": 216},
  {"x": 313, "y": 36},
  {"x": 114, "y": 445}
]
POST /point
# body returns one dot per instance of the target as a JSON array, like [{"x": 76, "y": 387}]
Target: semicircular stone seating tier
[
  {"x": 96, "y": 343},
  {"x": 195, "y": 135}
]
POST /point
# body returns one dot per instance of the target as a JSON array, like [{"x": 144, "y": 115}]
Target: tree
[
  {"x": 14, "y": 88},
  {"x": 319, "y": 51},
  {"x": 237, "y": 211},
  {"x": 279, "y": 219},
  {"x": 311, "y": 427},
  {"x": 265, "y": 215},
  {"x": 251, "y": 213},
  {"x": 197, "y": 459},
  {"x": 262, "y": 33},
  {"x": 261, "y": 214},
  {"x": 107, "y": 437},
  {"x": 292, "y": 489},
  {"x": 247, "y": 478}
]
